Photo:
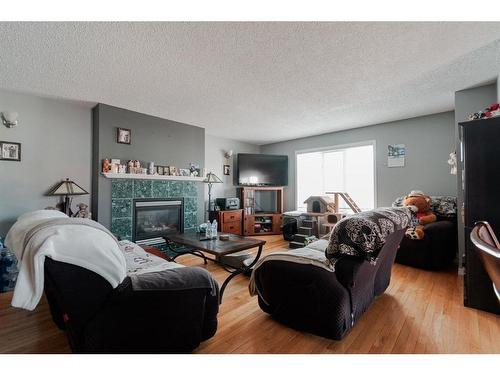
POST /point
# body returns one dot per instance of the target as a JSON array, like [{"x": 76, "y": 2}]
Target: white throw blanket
[{"x": 77, "y": 244}]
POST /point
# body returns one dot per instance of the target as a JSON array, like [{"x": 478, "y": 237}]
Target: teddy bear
[
  {"x": 420, "y": 204},
  {"x": 82, "y": 212}
]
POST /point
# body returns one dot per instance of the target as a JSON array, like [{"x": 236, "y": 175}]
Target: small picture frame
[
  {"x": 123, "y": 136},
  {"x": 160, "y": 170},
  {"x": 10, "y": 151},
  {"x": 194, "y": 170},
  {"x": 173, "y": 171},
  {"x": 166, "y": 170},
  {"x": 227, "y": 170},
  {"x": 184, "y": 172}
]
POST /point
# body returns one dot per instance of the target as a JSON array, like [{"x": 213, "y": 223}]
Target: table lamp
[{"x": 67, "y": 189}]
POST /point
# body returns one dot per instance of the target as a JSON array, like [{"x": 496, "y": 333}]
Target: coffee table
[{"x": 218, "y": 248}]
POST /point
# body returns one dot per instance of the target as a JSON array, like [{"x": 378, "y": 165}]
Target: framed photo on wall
[
  {"x": 10, "y": 151},
  {"x": 123, "y": 136},
  {"x": 227, "y": 170},
  {"x": 396, "y": 155}
]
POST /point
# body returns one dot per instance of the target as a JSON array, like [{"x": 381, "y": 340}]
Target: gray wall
[
  {"x": 55, "y": 139},
  {"x": 214, "y": 161},
  {"x": 498, "y": 88},
  {"x": 153, "y": 139},
  {"x": 466, "y": 101},
  {"x": 428, "y": 139}
]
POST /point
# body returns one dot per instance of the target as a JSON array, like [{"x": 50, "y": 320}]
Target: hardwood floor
[{"x": 421, "y": 312}]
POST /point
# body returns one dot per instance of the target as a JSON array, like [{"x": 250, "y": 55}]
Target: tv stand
[{"x": 261, "y": 223}]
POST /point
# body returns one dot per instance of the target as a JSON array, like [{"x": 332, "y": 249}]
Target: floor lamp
[{"x": 211, "y": 179}]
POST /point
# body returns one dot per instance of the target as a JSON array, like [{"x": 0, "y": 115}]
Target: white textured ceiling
[{"x": 255, "y": 82}]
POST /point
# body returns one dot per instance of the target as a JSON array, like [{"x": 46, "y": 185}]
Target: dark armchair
[
  {"x": 321, "y": 302},
  {"x": 100, "y": 319},
  {"x": 439, "y": 247},
  {"x": 435, "y": 251}
]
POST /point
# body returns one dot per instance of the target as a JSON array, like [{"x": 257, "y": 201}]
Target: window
[{"x": 347, "y": 169}]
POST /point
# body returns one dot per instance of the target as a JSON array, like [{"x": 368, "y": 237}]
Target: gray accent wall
[
  {"x": 467, "y": 101},
  {"x": 162, "y": 141},
  {"x": 55, "y": 137},
  {"x": 429, "y": 141}
]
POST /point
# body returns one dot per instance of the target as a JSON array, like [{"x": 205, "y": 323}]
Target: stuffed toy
[
  {"x": 492, "y": 111},
  {"x": 420, "y": 204},
  {"x": 452, "y": 162},
  {"x": 83, "y": 212}
]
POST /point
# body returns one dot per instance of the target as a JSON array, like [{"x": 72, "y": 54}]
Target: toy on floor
[
  {"x": 421, "y": 205},
  {"x": 310, "y": 240}
]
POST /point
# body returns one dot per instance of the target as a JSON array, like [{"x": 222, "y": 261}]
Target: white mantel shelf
[{"x": 151, "y": 177}]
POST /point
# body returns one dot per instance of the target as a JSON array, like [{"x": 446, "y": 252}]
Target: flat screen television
[{"x": 262, "y": 170}]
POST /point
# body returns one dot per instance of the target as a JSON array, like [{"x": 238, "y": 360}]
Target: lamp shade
[
  {"x": 67, "y": 187},
  {"x": 212, "y": 179}
]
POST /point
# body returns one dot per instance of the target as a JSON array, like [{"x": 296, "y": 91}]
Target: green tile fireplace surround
[{"x": 124, "y": 191}]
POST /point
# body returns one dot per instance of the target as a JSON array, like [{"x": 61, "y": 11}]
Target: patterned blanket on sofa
[
  {"x": 442, "y": 205},
  {"x": 363, "y": 234}
]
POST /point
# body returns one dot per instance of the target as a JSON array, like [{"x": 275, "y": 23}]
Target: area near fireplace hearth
[{"x": 127, "y": 193}]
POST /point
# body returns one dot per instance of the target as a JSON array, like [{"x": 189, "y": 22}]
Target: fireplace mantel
[{"x": 151, "y": 177}]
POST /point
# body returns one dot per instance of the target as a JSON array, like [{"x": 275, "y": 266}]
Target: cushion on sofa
[
  {"x": 442, "y": 205},
  {"x": 362, "y": 235}
]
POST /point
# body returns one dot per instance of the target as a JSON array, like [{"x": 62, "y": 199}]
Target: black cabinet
[{"x": 480, "y": 142}]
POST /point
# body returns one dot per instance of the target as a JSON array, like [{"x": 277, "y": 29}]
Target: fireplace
[{"x": 154, "y": 218}]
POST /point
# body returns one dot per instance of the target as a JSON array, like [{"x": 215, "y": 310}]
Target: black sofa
[
  {"x": 439, "y": 247},
  {"x": 436, "y": 250},
  {"x": 100, "y": 319},
  {"x": 315, "y": 300}
]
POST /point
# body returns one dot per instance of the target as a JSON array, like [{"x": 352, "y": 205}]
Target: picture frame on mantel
[
  {"x": 123, "y": 136},
  {"x": 10, "y": 151},
  {"x": 160, "y": 170}
]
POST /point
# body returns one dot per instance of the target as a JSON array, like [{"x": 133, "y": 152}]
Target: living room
[{"x": 274, "y": 187}]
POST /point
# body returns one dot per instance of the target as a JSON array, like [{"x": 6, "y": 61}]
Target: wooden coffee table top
[{"x": 216, "y": 247}]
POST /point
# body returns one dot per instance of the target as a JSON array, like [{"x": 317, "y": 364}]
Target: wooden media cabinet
[{"x": 257, "y": 221}]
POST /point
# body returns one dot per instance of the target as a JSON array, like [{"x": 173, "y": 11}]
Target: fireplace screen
[{"x": 157, "y": 217}]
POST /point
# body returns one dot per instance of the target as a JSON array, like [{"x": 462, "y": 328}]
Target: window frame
[{"x": 338, "y": 147}]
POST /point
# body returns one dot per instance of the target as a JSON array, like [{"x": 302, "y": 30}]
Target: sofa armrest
[
  {"x": 439, "y": 227},
  {"x": 153, "y": 320},
  {"x": 304, "y": 297},
  {"x": 441, "y": 234},
  {"x": 347, "y": 268},
  {"x": 178, "y": 278},
  {"x": 435, "y": 251}
]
